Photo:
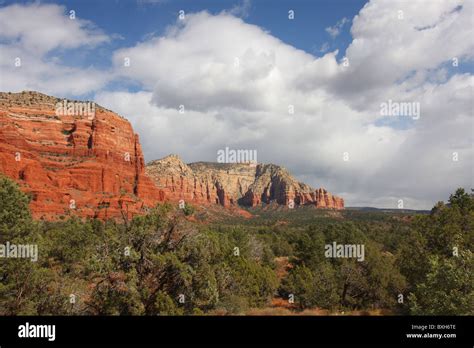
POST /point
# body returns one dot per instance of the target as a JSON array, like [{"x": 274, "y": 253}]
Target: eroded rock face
[
  {"x": 73, "y": 164},
  {"x": 93, "y": 166},
  {"x": 201, "y": 183},
  {"x": 234, "y": 184}
]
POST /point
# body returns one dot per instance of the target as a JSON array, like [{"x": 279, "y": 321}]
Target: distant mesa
[
  {"x": 230, "y": 184},
  {"x": 94, "y": 167}
]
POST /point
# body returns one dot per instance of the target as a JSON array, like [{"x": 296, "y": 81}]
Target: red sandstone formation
[
  {"x": 93, "y": 166},
  {"x": 234, "y": 184},
  {"x": 72, "y": 164}
]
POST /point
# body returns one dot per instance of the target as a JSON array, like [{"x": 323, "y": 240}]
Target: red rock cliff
[
  {"x": 90, "y": 166},
  {"x": 234, "y": 184},
  {"x": 93, "y": 166}
]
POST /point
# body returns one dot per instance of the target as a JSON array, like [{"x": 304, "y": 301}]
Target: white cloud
[
  {"x": 324, "y": 48},
  {"x": 386, "y": 49},
  {"x": 242, "y": 9},
  {"x": 30, "y": 34},
  {"x": 335, "y": 30},
  {"x": 41, "y": 28},
  {"x": 336, "y": 107}
]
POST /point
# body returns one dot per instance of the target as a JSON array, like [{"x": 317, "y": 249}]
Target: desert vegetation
[{"x": 168, "y": 262}]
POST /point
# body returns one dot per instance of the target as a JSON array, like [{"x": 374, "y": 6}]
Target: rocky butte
[
  {"x": 93, "y": 166},
  {"x": 230, "y": 184},
  {"x": 73, "y": 164}
]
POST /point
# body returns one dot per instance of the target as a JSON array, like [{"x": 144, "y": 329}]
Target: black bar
[{"x": 205, "y": 330}]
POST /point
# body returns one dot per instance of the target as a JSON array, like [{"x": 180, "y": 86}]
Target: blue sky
[
  {"x": 134, "y": 21},
  {"x": 400, "y": 51}
]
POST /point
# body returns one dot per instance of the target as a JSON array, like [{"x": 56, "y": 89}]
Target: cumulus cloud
[
  {"x": 42, "y": 28},
  {"x": 31, "y": 34},
  {"x": 237, "y": 83},
  {"x": 233, "y": 67},
  {"x": 398, "y": 40}
]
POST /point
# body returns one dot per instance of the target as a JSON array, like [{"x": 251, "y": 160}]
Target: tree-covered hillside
[{"x": 166, "y": 263}]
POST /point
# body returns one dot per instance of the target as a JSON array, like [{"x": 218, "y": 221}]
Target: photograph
[{"x": 210, "y": 172}]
